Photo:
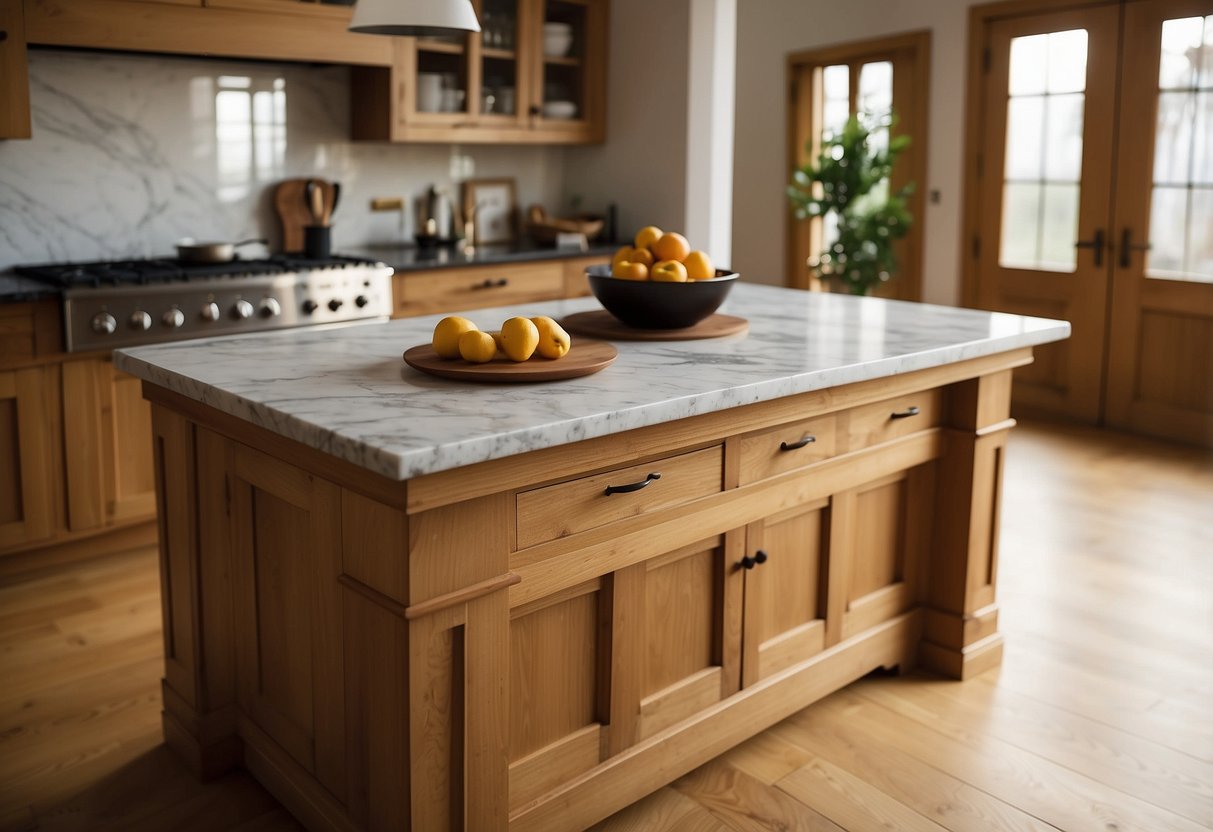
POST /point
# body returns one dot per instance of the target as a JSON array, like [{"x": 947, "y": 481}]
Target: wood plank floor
[{"x": 1100, "y": 718}]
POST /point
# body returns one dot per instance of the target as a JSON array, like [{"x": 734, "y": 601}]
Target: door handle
[
  {"x": 1127, "y": 247},
  {"x": 1096, "y": 243}
]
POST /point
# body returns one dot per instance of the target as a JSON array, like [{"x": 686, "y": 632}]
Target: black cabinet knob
[{"x": 760, "y": 556}]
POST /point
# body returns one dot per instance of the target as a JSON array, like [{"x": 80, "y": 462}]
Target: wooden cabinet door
[
  {"x": 785, "y": 593},
  {"x": 568, "y": 86},
  {"x": 14, "y": 73},
  {"x": 286, "y": 554},
  {"x": 107, "y": 446},
  {"x": 28, "y": 434}
]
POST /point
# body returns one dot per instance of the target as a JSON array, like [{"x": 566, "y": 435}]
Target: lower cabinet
[{"x": 29, "y": 409}]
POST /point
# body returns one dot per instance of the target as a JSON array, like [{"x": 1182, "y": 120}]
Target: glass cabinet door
[
  {"x": 567, "y": 55},
  {"x": 442, "y": 76},
  {"x": 500, "y": 35}
]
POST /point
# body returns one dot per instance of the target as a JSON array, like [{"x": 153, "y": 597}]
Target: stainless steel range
[{"x": 129, "y": 302}]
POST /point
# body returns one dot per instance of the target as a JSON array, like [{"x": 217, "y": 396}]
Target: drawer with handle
[
  {"x": 881, "y": 421},
  {"x": 450, "y": 290},
  {"x": 786, "y": 448},
  {"x": 566, "y": 508}
]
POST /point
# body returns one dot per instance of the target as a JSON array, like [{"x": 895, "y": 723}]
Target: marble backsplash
[{"x": 131, "y": 153}]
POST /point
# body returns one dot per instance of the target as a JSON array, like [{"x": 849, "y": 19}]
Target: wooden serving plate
[
  {"x": 600, "y": 323},
  {"x": 584, "y": 358}
]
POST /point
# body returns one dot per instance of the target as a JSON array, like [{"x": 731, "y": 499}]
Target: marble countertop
[
  {"x": 347, "y": 391},
  {"x": 408, "y": 258}
]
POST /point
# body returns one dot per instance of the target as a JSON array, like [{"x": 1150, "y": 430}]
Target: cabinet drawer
[
  {"x": 891, "y": 418},
  {"x": 567, "y": 508},
  {"x": 780, "y": 449},
  {"x": 450, "y": 290}
]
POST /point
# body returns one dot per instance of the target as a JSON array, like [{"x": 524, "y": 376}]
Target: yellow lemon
[
  {"x": 648, "y": 235},
  {"x": 519, "y": 338},
  {"x": 477, "y": 347},
  {"x": 554, "y": 342},
  {"x": 447, "y": 334},
  {"x": 699, "y": 266}
]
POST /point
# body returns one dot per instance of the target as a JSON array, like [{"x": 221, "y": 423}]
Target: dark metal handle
[
  {"x": 489, "y": 283},
  {"x": 748, "y": 562},
  {"x": 1127, "y": 246},
  {"x": 1096, "y": 243},
  {"x": 912, "y": 410},
  {"x": 535, "y": 110},
  {"x": 634, "y": 486},
  {"x": 3, "y": 35},
  {"x": 795, "y": 446}
]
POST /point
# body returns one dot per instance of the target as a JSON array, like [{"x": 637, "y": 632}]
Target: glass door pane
[
  {"x": 1181, "y": 199},
  {"x": 1043, "y": 158},
  {"x": 442, "y": 74},
  {"x": 564, "y": 47},
  {"x": 499, "y": 57}
]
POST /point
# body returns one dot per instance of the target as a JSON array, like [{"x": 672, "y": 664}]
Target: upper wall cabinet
[
  {"x": 286, "y": 30},
  {"x": 14, "y": 73},
  {"x": 536, "y": 73}
]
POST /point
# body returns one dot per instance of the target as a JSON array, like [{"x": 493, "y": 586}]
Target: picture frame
[{"x": 495, "y": 209}]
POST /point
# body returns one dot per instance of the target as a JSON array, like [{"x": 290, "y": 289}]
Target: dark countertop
[
  {"x": 17, "y": 289},
  {"x": 407, "y": 258}
]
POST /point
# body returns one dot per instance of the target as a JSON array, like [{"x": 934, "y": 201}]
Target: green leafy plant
[{"x": 849, "y": 181}]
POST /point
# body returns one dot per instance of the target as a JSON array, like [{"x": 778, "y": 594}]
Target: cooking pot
[{"x": 189, "y": 251}]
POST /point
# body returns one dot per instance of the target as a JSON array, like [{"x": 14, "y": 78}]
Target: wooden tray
[
  {"x": 600, "y": 323},
  {"x": 584, "y": 358}
]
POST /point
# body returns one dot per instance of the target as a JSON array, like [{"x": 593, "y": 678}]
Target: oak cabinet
[
  {"x": 28, "y": 415},
  {"x": 14, "y": 73},
  {"x": 501, "y": 85}
]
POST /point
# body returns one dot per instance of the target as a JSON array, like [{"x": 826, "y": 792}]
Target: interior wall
[
  {"x": 130, "y": 154},
  {"x": 642, "y": 166},
  {"x": 767, "y": 32}
]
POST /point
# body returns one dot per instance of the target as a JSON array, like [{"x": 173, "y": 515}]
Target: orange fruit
[
  {"x": 646, "y": 236},
  {"x": 627, "y": 270},
  {"x": 671, "y": 246},
  {"x": 699, "y": 266},
  {"x": 670, "y": 271},
  {"x": 625, "y": 253}
]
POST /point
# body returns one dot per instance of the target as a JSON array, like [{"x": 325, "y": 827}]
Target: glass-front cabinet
[{"x": 536, "y": 72}]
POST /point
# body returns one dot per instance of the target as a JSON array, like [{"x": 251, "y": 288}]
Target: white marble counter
[{"x": 347, "y": 391}]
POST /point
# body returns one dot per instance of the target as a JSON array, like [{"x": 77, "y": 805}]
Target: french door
[{"x": 1094, "y": 203}]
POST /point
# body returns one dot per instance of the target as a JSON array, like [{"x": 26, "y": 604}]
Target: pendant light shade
[{"x": 414, "y": 17}]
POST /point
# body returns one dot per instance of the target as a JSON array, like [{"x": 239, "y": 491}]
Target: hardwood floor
[{"x": 1099, "y": 718}]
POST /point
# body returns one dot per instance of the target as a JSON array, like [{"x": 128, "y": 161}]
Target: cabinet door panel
[
  {"x": 27, "y": 428},
  {"x": 785, "y": 595},
  {"x": 286, "y": 541},
  {"x": 127, "y": 432}
]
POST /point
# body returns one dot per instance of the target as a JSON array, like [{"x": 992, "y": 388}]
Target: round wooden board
[
  {"x": 584, "y": 358},
  {"x": 600, "y": 323}
]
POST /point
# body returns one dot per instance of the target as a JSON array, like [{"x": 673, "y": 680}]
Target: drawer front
[
  {"x": 567, "y": 508},
  {"x": 785, "y": 448},
  {"x": 450, "y": 290},
  {"x": 891, "y": 418}
]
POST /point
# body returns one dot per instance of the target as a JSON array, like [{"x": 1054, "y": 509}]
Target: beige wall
[
  {"x": 643, "y": 164},
  {"x": 767, "y": 30}
]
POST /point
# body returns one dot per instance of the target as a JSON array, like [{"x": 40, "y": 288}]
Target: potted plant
[{"x": 849, "y": 182}]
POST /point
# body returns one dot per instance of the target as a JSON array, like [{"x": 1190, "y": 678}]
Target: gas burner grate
[{"x": 168, "y": 270}]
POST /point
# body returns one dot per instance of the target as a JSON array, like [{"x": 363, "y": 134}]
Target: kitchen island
[{"x": 403, "y": 602}]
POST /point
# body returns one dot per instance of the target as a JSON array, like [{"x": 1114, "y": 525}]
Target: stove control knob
[
  {"x": 104, "y": 323},
  {"x": 335, "y": 304},
  {"x": 242, "y": 309},
  {"x": 210, "y": 312},
  {"x": 361, "y": 301},
  {"x": 270, "y": 308},
  {"x": 141, "y": 320},
  {"x": 174, "y": 318},
  {"x": 309, "y": 306}
]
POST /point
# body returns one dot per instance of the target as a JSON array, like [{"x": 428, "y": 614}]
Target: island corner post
[{"x": 496, "y": 647}]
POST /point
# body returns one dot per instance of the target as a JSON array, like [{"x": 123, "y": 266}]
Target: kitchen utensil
[
  {"x": 584, "y": 358},
  {"x": 191, "y": 251},
  {"x": 317, "y": 241},
  {"x": 314, "y": 195},
  {"x": 560, "y": 109},
  {"x": 652, "y": 304},
  {"x": 294, "y": 211},
  {"x": 505, "y": 100},
  {"x": 599, "y": 323},
  {"x": 332, "y": 209}
]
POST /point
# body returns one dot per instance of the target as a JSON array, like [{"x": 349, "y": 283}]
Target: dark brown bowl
[{"x": 654, "y": 304}]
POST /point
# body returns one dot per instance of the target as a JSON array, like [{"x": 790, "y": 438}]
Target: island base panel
[{"x": 476, "y": 665}]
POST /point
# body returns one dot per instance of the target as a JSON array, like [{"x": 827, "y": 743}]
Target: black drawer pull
[
  {"x": 633, "y": 486},
  {"x": 748, "y": 562},
  {"x": 912, "y": 410},
  {"x": 3, "y": 36},
  {"x": 489, "y": 283},
  {"x": 796, "y": 446}
]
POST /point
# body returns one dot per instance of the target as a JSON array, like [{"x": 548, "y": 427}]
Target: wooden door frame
[
  {"x": 980, "y": 18},
  {"x": 801, "y": 102}
]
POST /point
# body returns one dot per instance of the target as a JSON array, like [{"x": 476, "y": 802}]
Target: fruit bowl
[{"x": 652, "y": 304}]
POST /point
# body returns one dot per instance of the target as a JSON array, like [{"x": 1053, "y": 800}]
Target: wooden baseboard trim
[
  {"x": 205, "y": 762},
  {"x": 23, "y": 564},
  {"x": 965, "y": 663},
  {"x": 646, "y": 767}
]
